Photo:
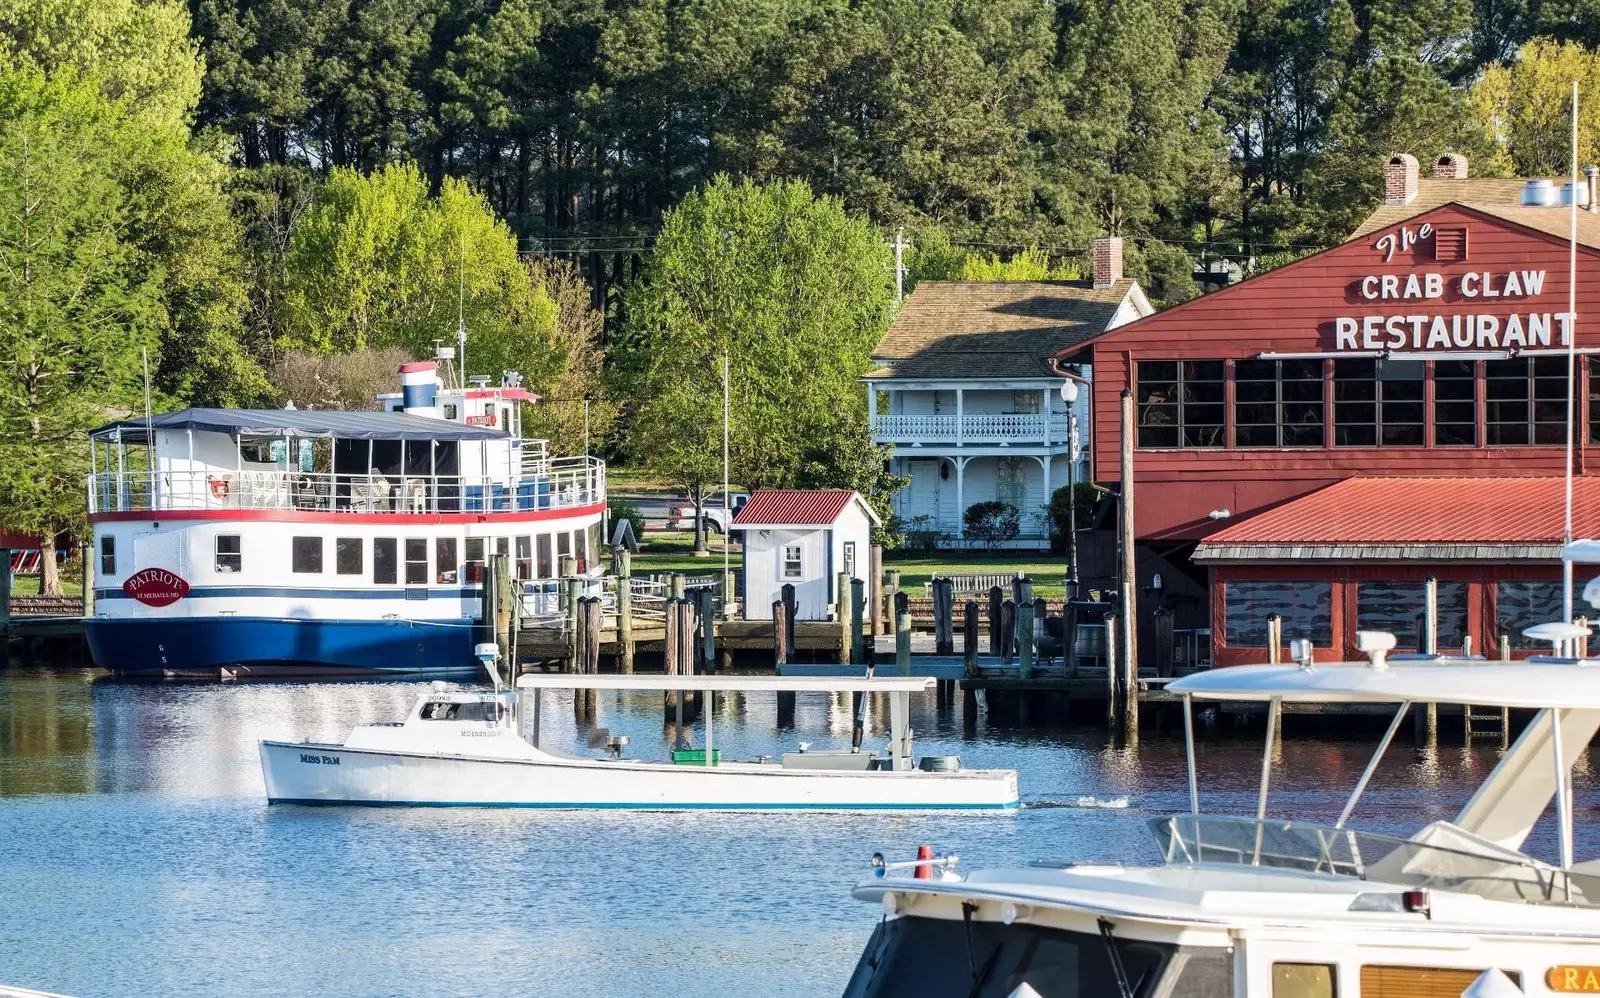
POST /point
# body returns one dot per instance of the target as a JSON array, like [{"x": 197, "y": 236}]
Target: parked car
[{"x": 681, "y": 517}]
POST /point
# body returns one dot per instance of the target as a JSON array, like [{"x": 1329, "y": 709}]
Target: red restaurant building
[{"x": 1317, "y": 441}]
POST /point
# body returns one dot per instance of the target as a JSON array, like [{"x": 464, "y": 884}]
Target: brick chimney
[
  {"x": 1450, "y": 166},
  {"x": 1400, "y": 179},
  {"x": 1107, "y": 261}
]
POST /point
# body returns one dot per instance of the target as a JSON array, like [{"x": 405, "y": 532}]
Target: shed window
[
  {"x": 1277, "y": 403},
  {"x": 347, "y": 555},
  {"x": 1180, "y": 402},
  {"x": 1378, "y": 403},
  {"x": 416, "y": 561},
  {"x": 229, "y": 557},
  {"x": 385, "y": 561},
  {"x": 108, "y": 555},
  {"x": 1305, "y": 607},
  {"x": 307, "y": 555},
  {"x": 1398, "y": 607},
  {"x": 1455, "y": 402},
  {"x": 1526, "y": 401},
  {"x": 793, "y": 565}
]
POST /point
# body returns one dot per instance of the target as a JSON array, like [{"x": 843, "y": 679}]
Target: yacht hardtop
[{"x": 1258, "y": 906}]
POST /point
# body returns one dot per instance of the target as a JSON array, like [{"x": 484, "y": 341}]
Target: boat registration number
[
  {"x": 1573, "y": 980},
  {"x": 311, "y": 758}
]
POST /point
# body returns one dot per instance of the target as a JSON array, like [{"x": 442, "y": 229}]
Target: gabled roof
[
  {"x": 1436, "y": 192},
  {"x": 996, "y": 329},
  {"x": 1394, "y": 518},
  {"x": 307, "y": 423},
  {"x": 798, "y": 508}
]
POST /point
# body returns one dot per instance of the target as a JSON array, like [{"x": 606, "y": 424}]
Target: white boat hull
[{"x": 312, "y": 773}]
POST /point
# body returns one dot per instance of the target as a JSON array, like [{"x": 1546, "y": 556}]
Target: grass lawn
[
  {"x": 1047, "y": 571},
  {"x": 620, "y": 479},
  {"x": 674, "y": 552},
  {"x": 28, "y": 585}
]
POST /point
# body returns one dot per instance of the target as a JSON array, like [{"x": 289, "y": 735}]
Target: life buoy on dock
[{"x": 219, "y": 487}]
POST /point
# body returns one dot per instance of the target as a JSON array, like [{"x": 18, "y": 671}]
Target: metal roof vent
[
  {"x": 1583, "y": 193},
  {"x": 1539, "y": 193}
]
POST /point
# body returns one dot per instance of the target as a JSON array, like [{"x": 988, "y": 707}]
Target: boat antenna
[
  {"x": 461, "y": 312},
  {"x": 1572, "y": 363},
  {"x": 149, "y": 432},
  {"x": 727, "y": 519}
]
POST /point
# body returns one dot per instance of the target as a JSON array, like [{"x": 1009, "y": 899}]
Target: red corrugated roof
[
  {"x": 797, "y": 507},
  {"x": 1423, "y": 511}
]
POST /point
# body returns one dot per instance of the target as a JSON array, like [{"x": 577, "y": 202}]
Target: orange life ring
[{"x": 219, "y": 487}]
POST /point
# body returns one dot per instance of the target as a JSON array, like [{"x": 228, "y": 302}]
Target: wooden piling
[
  {"x": 1505, "y": 648},
  {"x": 1008, "y": 630},
  {"x": 669, "y": 658},
  {"x": 1111, "y": 669},
  {"x": 841, "y": 614},
  {"x": 969, "y": 640},
  {"x": 1165, "y": 650},
  {"x": 622, "y": 563},
  {"x": 1430, "y": 622},
  {"x": 1274, "y": 639},
  {"x": 1040, "y": 615},
  {"x": 705, "y": 610},
  {"x": 880, "y": 619},
  {"x": 572, "y": 590},
  {"x": 1130, "y": 684},
  {"x": 85, "y": 551},
  {"x": 1023, "y": 617},
  {"x": 502, "y": 607},
  {"x": 1022, "y": 589},
  {"x": 902, "y": 633},
  {"x": 944, "y": 624},
  {"x": 780, "y": 626},
  {"x": 891, "y": 589},
  {"x": 791, "y": 611},
  {"x": 1125, "y": 520},
  {"x": 675, "y": 585},
  {"x": 996, "y": 598},
  {"x": 858, "y": 613}
]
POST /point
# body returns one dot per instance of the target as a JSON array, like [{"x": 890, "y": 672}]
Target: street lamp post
[{"x": 1069, "y": 395}]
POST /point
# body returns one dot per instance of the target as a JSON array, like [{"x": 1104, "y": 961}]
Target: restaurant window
[
  {"x": 1455, "y": 403},
  {"x": 444, "y": 561},
  {"x": 546, "y": 565},
  {"x": 230, "y": 556},
  {"x": 385, "y": 561},
  {"x": 1304, "y": 980},
  {"x": 1277, "y": 403},
  {"x": 474, "y": 560},
  {"x": 1180, "y": 403},
  {"x": 1594, "y": 399},
  {"x": 306, "y": 555},
  {"x": 1377, "y": 403},
  {"x": 1399, "y": 607},
  {"x": 1526, "y": 401},
  {"x": 525, "y": 557},
  {"x": 1306, "y": 609},
  {"x": 108, "y": 555},
  {"x": 416, "y": 561},
  {"x": 1519, "y": 605},
  {"x": 347, "y": 555}
]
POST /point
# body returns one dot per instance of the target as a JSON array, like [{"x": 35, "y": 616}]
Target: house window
[
  {"x": 385, "y": 561},
  {"x": 1277, "y": 403},
  {"x": 1306, "y": 609},
  {"x": 1525, "y": 401},
  {"x": 1026, "y": 403},
  {"x": 1398, "y": 607},
  {"x": 307, "y": 555},
  {"x": 1455, "y": 403},
  {"x": 1010, "y": 483},
  {"x": 793, "y": 566},
  {"x": 525, "y": 557},
  {"x": 229, "y": 557},
  {"x": 474, "y": 559},
  {"x": 1180, "y": 403},
  {"x": 1377, "y": 403},
  {"x": 416, "y": 561},
  {"x": 108, "y": 555},
  {"x": 347, "y": 555},
  {"x": 444, "y": 560}
]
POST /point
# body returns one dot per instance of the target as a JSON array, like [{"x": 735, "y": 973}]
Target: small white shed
[{"x": 804, "y": 537}]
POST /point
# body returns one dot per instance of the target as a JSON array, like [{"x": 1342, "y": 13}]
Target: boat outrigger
[
  {"x": 479, "y": 748},
  {"x": 1258, "y": 906}
]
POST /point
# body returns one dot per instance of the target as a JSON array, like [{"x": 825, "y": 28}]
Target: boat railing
[
  {"x": 566, "y": 482},
  {"x": 1344, "y": 852}
]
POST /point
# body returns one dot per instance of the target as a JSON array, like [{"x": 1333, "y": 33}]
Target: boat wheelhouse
[{"x": 258, "y": 542}]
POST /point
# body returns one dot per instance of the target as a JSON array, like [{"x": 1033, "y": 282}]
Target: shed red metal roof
[
  {"x": 1425, "y": 511},
  {"x": 793, "y": 507}
]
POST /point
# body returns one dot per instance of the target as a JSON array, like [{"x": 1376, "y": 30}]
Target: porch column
[
  {"x": 1044, "y": 414},
  {"x": 872, "y": 408},
  {"x": 1044, "y": 462},
  {"x": 961, "y": 471},
  {"x": 961, "y": 433}
]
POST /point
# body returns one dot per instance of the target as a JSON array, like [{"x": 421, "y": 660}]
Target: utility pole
[{"x": 899, "y": 264}]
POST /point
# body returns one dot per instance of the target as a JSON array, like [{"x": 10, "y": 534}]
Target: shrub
[
  {"x": 921, "y": 537},
  {"x": 992, "y": 523},
  {"x": 1088, "y": 499},
  {"x": 622, "y": 509}
]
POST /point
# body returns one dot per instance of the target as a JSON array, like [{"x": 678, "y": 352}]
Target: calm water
[{"x": 137, "y": 856}]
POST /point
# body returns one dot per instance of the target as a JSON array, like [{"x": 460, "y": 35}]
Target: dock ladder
[{"x": 1489, "y": 725}]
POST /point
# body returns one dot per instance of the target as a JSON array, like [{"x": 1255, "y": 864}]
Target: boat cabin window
[
  {"x": 793, "y": 565},
  {"x": 416, "y": 561},
  {"x": 444, "y": 710},
  {"x": 307, "y": 555},
  {"x": 502, "y": 545},
  {"x": 385, "y": 561},
  {"x": 546, "y": 562},
  {"x": 580, "y": 549},
  {"x": 524, "y": 558},
  {"x": 563, "y": 545},
  {"x": 474, "y": 560},
  {"x": 1306, "y": 980},
  {"x": 108, "y": 555},
  {"x": 347, "y": 555},
  {"x": 258, "y": 451},
  {"x": 1420, "y": 982},
  {"x": 450, "y": 412},
  {"x": 229, "y": 556},
  {"x": 444, "y": 560}
]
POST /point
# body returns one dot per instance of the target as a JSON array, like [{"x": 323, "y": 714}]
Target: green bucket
[{"x": 695, "y": 757}]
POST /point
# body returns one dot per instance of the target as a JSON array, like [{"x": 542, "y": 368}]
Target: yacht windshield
[{"x": 445, "y": 710}]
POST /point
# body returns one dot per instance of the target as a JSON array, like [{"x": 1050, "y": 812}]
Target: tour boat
[
  {"x": 276, "y": 542},
  {"x": 482, "y": 749},
  {"x": 1242, "y": 907}
]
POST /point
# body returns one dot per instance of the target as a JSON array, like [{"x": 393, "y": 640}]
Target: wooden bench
[{"x": 974, "y": 585}]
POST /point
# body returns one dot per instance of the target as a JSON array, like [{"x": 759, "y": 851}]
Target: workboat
[
  {"x": 479, "y": 748},
  {"x": 1258, "y": 906},
  {"x": 239, "y": 543}
]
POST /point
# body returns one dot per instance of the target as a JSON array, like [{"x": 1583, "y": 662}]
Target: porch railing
[{"x": 974, "y": 428}]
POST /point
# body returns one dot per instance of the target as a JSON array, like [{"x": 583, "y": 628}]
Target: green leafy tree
[
  {"x": 1525, "y": 105},
  {"x": 796, "y": 293},
  {"x": 77, "y": 304}
]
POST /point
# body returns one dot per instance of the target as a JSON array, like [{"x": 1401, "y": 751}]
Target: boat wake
[{"x": 1113, "y": 803}]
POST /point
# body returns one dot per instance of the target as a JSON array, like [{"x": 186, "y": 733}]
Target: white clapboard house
[
  {"x": 963, "y": 390},
  {"x": 804, "y": 538}
]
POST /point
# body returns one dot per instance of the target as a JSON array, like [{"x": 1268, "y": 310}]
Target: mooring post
[
  {"x": 669, "y": 654},
  {"x": 1024, "y": 623},
  {"x": 687, "y": 635},
  {"x": 780, "y": 650},
  {"x": 858, "y": 613},
  {"x": 1040, "y": 615},
  {"x": 841, "y": 614},
  {"x": 1111, "y": 669},
  {"x": 1130, "y": 682},
  {"x": 1022, "y": 589},
  {"x": 902, "y": 633},
  {"x": 501, "y": 600},
  {"x": 879, "y": 615},
  {"x": 1582, "y": 650},
  {"x": 1430, "y": 620},
  {"x": 623, "y": 559},
  {"x": 675, "y": 585},
  {"x": 708, "y": 629},
  {"x": 791, "y": 611},
  {"x": 969, "y": 640},
  {"x": 85, "y": 550},
  {"x": 891, "y": 589},
  {"x": 995, "y": 598},
  {"x": 1008, "y": 629},
  {"x": 1505, "y": 647},
  {"x": 1274, "y": 639},
  {"x": 574, "y": 593},
  {"x": 944, "y": 623}
]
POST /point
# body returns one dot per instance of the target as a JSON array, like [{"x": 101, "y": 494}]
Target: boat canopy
[
  {"x": 1534, "y": 685},
  {"x": 302, "y": 423},
  {"x": 730, "y": 684}
]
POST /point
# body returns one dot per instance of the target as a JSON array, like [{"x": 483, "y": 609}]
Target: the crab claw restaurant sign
[{"x": 1429, "y": 308}]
